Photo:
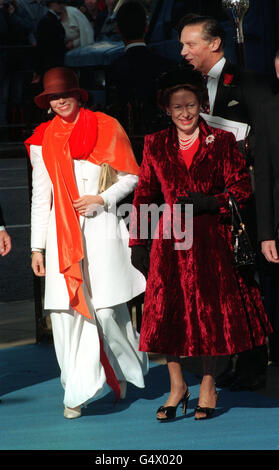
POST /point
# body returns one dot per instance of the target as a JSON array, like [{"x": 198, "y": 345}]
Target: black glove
[
  {"x": 202, "y": 203},
  {"x": 140, "y": 259}
]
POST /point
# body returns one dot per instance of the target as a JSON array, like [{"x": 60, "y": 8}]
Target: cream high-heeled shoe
[
  {"x": 71, "y": 413},
  {"x": 123, "y": 389}
]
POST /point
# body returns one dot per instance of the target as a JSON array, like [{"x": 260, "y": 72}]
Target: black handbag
[{"x": 243, "y": 252}]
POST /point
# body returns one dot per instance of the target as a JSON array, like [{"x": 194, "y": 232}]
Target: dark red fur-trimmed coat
[{"x": 196, "y": 302}]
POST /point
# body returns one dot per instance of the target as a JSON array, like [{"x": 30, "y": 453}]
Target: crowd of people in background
[
  {"x": 36, "y": 35},
  {"x": 20, "y": 18}
]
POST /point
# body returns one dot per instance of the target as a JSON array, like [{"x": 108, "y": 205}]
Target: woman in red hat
[{"x": 83, "y": 165}]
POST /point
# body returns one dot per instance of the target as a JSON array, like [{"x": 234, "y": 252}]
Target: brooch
[{"x": 210, "y": 138}]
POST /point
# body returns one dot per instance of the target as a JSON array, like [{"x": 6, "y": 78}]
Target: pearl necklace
[{"x": 185, "y": 144}]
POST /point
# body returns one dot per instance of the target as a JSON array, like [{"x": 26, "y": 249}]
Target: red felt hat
[{"x": 59, "y": 80}]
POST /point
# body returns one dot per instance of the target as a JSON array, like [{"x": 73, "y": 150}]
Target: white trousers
[{"x": 77, "y": 346}]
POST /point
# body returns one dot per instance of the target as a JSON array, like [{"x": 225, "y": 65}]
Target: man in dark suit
[
  {"x": 5, "y": 239},
  {"x": 267, "y": 203},
  {"x": 234, "y": 93},
  {"x": 132, "y": 77},
  {"x": 50, "y": 49}
]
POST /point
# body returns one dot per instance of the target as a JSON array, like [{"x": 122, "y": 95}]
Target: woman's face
[
  {"x": 66, "y": 105},
  {"x": 184, "y": 109}
]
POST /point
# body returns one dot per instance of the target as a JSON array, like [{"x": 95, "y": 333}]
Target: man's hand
[
  {"x": 5, "y": 243},
  {"x": 269, "y": 251}
]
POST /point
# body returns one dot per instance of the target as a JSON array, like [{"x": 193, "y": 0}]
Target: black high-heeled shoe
[
  {"x": 208, "y": 412},
  {"x": 170, "y": 411}
]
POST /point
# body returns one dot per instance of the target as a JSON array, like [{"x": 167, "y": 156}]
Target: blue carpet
[{"x": 32, "y": 413}]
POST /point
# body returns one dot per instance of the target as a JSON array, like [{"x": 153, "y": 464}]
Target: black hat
[{"x": 183, "y": 75}]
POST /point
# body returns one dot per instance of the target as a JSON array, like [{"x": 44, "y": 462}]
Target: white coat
[
  {"x": 78, "y": 28},
  {"x": 113, "y": 279}
]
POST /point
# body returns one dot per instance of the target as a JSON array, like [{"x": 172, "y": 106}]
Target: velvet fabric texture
[{"x": 196, "y": 302}]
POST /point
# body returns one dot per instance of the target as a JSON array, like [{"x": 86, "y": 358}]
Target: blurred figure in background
[
  {"x": 15, "y": 32},
  {"x": 78, "y": 30},
  {"x": 50, "y": 50},
  {"x": 105, "y": 24},
  {"x": 131, "y": 78},
  {"x": 35, "y": 10},
  {"x": 90, "y": 9}
]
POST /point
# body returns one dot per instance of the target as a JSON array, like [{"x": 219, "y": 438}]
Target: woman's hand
[
  {"x": 202, "y": 203},
  {"x": 269, "y": 251},
  {"x": 38, "y": 264},
  {"x": 86, "y": 204},
  {"x": 69, "y": 45}
]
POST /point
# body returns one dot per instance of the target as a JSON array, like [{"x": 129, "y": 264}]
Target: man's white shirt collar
[
  {"x": 216, "y": 70},
  {"x": 212, "y": 82}
]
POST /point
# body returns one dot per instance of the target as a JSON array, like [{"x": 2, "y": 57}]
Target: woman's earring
[
  {"x": 168, "y": 113},
  {"x": 49, "y": 111}
]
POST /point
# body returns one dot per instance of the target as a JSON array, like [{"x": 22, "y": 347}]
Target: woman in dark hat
[
  {"x": 83, "y": 164},
  {"x": 197, "y": 303}
]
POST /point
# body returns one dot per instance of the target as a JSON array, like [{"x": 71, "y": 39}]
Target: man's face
[
  {"x": 90, "y": 3},
  {"x": 57, "y": 7},
  {"x": 196, "y": 50},
  {"x": 276, "y": 63}
]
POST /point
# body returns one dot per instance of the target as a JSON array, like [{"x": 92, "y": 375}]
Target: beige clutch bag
[{"x": 108, "y": 176}]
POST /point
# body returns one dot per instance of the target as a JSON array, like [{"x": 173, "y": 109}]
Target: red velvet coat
[{"x": 196, "y": 301}]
